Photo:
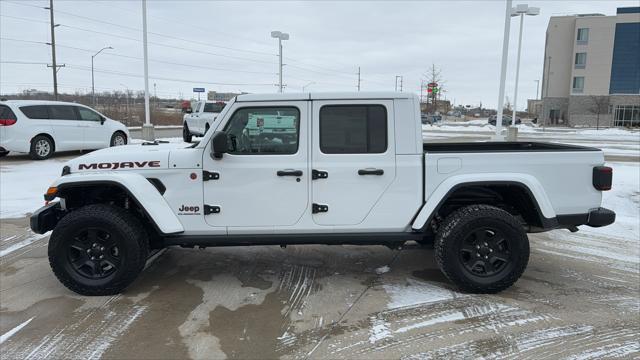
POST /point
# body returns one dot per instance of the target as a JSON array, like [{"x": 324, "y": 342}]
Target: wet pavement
[{"x": 323, "y": 302}]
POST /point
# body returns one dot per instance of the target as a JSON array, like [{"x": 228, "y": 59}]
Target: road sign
[
  {"x": 198, "y": 90},
  {"x": 432, "y": 85}
]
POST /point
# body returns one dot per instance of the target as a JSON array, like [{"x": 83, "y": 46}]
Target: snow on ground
[{"x": 23, "y": 183}]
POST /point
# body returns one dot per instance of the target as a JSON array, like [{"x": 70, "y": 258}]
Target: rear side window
[
  {"x": 35, "y": 111},
  {"x": 353, "y": 129},
  {"x": 6, "y": 113},
  {"x": 62, "y": 112}
]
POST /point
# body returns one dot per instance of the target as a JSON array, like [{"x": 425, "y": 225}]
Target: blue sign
[{"x": 198, "y": 90}]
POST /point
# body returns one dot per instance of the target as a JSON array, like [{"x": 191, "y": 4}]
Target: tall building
[{"x": 592, "y": 70}]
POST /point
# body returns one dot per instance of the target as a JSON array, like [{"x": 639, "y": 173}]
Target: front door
[
  {"x": 95, "y": 135},
  {"x": 353, "y": 145},
  {"x": 264, "y": 180}
]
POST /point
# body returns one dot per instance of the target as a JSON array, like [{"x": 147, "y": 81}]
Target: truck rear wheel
[
  {"x": 98, "y": 250},
  {"x": 482, "y": 249}
]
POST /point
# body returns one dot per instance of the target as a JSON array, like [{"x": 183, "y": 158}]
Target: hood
[{"x": 125, "y": 158}]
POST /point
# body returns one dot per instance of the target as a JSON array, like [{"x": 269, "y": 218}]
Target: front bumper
[
  {"x": 46, "y": 218},
  {"x": 601, "y": 217}
]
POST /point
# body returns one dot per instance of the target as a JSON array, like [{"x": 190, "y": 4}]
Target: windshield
[{"x": 213, "y": 107}]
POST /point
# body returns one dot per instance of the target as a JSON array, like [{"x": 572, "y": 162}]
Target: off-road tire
[
  {"x": 115, "y": 139},
  {"x": 186, "y": 134},
  {"x": 127, "y": 232},
  {"x": 459, "y": 226},
  {"x": 37, "y": 144}
]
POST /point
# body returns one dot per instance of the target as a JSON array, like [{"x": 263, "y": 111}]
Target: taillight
[
  {"x": 7, "y": 122},
  {"x": 602, "y": 178}
]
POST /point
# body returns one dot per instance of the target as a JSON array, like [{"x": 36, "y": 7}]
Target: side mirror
[
  {"x": 219, "y": 144},
  {"x": 102, "y": 120},
  {"x": 189, "y": 111}
]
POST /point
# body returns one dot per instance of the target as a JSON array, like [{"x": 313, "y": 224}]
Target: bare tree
[
  {"x": 434, "y": 76},
  {"x": 599, "y": 105}
]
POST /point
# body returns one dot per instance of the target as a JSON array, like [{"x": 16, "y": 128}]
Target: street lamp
[
  {"x": 521, "y": 10},
  {"x": 93, "y": 89},
  {"x": 280, "y": 36}
]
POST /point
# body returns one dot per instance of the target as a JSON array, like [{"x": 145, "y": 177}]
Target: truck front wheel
[
  {"x": 482, "y": 249},
  {"x": 98, "y": 250},
  {"x": 186, "y": 134}
]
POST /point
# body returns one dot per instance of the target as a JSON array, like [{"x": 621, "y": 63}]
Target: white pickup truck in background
[
  {"x": 320, "y": 168},
  {"x": 198, "y": 119}
]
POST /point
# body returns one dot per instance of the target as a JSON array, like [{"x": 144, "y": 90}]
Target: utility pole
[
  {"x": 54, "y": 66},
  {"x": 280, "y": 36},
  {"x": 358, "y": 78},
  {"x": 155, "y": 95}
]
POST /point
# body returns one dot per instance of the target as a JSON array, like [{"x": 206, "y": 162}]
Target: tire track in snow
[{"x": 85, "y": 338}]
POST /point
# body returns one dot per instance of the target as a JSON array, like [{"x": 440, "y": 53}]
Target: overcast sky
[{"x": 226, "y": 46}]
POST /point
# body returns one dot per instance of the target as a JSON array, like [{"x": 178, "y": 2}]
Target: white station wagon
[{"x": 41, "y": 128}]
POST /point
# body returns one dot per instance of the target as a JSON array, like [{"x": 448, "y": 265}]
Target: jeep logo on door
[
  {"x": 189, "y": 210},
  {"x": 120, "y": 165}
]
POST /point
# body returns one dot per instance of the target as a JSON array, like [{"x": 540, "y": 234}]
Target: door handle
[
  {"x": 289, "y": 173},
  {"x": 377, "y": 172}
]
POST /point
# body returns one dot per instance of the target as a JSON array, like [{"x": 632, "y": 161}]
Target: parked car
[
  {"x": 337, "y": 168},
  {"x": 41, "y": 128},
  {"x": 430, "y": 119},
  {"x": 506, "y": 120},
  {"x": 198, "y": 120}
]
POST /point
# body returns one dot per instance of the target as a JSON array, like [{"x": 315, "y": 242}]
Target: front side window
[
  {"x": 581, "y": 60},
  {"x": 583, "y": 36},
  {"x": 35, "y": 111},
  {"x": 578, "y": 84},
  {"x": 88, "y": 115},
  {"x": 264, "y": 130},
  {"x": 353, "y": 129},
  {"x": 62, "y": 112}
]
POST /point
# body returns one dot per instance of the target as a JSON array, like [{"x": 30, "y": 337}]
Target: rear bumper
[
  {"x": 601, "y": 217},
  {"x": 595, "y": 218},
  {"x": 46, "y": 218}
]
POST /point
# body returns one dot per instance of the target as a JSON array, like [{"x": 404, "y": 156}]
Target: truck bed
[{"x": 495, "y": 146}]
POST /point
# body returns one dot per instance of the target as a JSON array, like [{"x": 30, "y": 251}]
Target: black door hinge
[
  {"x": 319, "y": 174},
  {"x": 318, "y": 208},
  {"x": 211, "y": 209},
  {"x": 210, "y": 175}
]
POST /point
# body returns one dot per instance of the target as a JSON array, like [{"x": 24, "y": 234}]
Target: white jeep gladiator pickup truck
[
  {"x": 199, "y": 118},
  {"x": 325, "y": 168}
]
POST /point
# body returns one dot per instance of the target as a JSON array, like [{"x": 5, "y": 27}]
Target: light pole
[
  {"x": 503, "y": 70},
  {"x": 93, "y": 88},
  {"x": 522, "y": 10},
  {"x": 280, "y": 36},
  {"x": 147, "y": 128}
]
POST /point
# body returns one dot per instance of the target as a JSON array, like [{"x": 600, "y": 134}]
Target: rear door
[
  {"x": 68, "y": 130},
  {"x": 353, "y": 155}
]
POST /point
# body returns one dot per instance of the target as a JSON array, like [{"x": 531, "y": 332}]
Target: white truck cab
[
  {"x": 198, "y": 119},
  {"x": 320, "y": 168}
]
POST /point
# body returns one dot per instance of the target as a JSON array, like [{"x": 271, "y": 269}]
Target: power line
[
  {"x": 139, "y": 58},
  {"x": 136, "y": 30},
  {"x": 121, "y": 73}
]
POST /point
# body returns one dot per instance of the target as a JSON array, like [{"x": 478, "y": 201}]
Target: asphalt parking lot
[{"x": 578, "y": 298}]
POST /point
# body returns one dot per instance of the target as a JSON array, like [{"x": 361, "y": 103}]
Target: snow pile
[
  {"x": 382, "y": 270},
  {"x": 22, "y": 185}
]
